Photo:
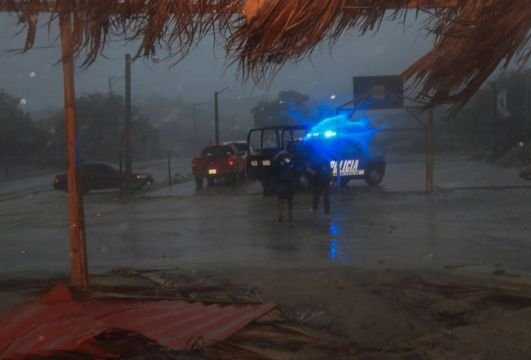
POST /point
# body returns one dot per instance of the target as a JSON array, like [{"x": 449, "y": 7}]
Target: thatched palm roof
[{"x": 473, "y": 37}]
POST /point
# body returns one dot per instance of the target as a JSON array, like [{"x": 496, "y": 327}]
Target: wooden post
[
  {"x": 78, "y": 246},
  {"x": 429, "y": 153}
]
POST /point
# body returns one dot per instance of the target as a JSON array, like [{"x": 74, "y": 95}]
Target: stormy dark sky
[{"x": 36, "y": 77}]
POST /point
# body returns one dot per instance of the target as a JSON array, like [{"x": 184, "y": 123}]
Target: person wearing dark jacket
[
  {"x": 321, "y": 177},
  {"x": 283, "y": 176}
]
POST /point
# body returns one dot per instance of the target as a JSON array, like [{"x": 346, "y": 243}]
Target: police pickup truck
[{"x": 349, "y": 155}]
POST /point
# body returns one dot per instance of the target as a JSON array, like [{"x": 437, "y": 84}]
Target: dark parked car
[{"x": 100, "y": 176}]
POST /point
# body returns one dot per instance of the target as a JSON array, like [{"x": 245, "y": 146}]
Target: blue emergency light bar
[
  {"x": 341, "y": 126},
  {"x": 327, "y": 134}
]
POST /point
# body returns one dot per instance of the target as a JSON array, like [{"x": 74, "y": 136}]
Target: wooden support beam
[
  {"x": 411, "y": 4},
  {"x": 250, "y": 5},
  {"x": 76, "y": 217}
]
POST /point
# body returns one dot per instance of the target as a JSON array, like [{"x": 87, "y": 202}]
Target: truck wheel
[
  {"x": 198, "y": 182},
  {"x": 242, "y": 176},
  {"x": 374, "y": 177}
]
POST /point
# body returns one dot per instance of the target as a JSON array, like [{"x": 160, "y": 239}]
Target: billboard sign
[{"x": 379, "y": 92}]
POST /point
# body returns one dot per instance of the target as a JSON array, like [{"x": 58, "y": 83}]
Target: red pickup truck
[{"x": 219, "y": 162}]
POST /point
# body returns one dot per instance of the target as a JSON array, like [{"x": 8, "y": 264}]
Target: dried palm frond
[
  {"x": 473, "y": 37},
  {"x": 174, "y": 25},
  {"x": 283, "y": 31},
  {"x": 471, "y": 42}
]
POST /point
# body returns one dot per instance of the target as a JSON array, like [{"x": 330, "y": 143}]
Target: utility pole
[
  {"x": 128, "y": 134},
  {"x": 216, "y": 117},
  {"x": 216, "y": 113},
  {"x": 76, "y": 217}
]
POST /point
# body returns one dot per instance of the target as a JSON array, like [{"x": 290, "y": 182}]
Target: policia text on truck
[{"x": 349, "y": 154}]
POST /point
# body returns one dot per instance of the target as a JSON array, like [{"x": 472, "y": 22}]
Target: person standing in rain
[
  {"x": 284, "y": 183},
  {"x": 321, "y": 177}
]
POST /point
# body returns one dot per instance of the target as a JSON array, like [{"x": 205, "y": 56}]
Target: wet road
[
  {"x": 391, "y": 226},
  {"x": 11, "y": 189},
  {"x": 41, "y": 183}
]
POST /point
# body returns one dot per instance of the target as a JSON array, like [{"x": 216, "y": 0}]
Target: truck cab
[
  {"x": 218, "y": 162},
  {"x": 264, "y": 144}
]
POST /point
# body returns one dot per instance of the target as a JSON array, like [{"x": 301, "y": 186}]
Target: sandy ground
[
  {"x": 381, "y": 314},
  {"x": 410, "y": 314},
  {"x": 397, "y": 274}
]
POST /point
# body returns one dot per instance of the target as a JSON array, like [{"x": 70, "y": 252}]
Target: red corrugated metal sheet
[{"x": 57, "y": 322}]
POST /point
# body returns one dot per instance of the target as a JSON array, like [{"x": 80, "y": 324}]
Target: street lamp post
[{"x": 216, "y": 113}]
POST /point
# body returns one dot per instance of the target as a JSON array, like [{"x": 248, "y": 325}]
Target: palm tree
[{"x": 473, "y": 37}]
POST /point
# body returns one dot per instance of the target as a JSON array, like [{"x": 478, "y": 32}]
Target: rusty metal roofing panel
[
  {"x": 37, "y": 328},
  {"x": 45, "y": 325}
]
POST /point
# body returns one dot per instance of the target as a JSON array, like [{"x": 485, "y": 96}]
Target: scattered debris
[
  {"x": 196, "y": 288},
  {"x": 385, "y": 315},
  {"x": 58, "y": 322},
  {"x": 139, "y": 321}
]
